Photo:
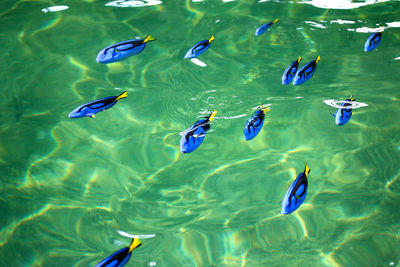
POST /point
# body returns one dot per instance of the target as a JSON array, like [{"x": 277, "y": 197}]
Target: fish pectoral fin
[
  {"x": 198, "y": 135},
  {"x": 297, "y": 196},
  {"x": 333, "y": 115}
]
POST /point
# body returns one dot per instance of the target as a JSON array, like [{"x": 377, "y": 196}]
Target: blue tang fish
[
  {"x": 296, "y": 193},
  {"x": 373, "y": 41},
  {"x": 290, "y": 71},
  {"x": 91, "y": 108},
  {"x": 260, "y": 30},
  {"x": 121, "y": 50},
  {"x": 121, "y": 257},
  {"x": 199, "y": 48},
  {"x": 306, "y": 72},
  {"x": 193, "y": 137},
  {"x": 255, "y": 123},
  {"x": 343, "y": 115}
]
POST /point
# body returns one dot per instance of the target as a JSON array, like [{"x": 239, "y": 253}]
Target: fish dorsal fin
[
  {"x": 134, "y": 244},
  {"x": 211, "y": 118},
  {"x": 211, "y": 39},
  {"x": 318, "y": 59},
  {"x": 123, "y": 95},
  {"x": 306, "y": 170},
  {"x": 148, "y": 39}
]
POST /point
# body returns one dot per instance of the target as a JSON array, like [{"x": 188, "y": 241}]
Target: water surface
[{"x": 68, "y": 185}]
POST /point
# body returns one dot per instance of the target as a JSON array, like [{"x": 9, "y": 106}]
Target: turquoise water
[{"x": 68, "y": 185}]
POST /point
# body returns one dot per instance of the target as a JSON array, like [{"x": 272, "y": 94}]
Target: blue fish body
[
  {"x": 296, "y": 194},
  {"x": 93, "y": 107},
  {"x": 290, "y": 71},
  {"x": 343, "y": 115},
  {"x": 199, "y": 48},
  {"x": 121, "y": 257},
  {"x": 193, "y": 136},
  {"x": 306, "y": 72},
  {"x": 122, "y": 50},
  {"x": 260, "y": 30},
  {"x": 118, "y": 259},
  {"x": 254, "y": 125},
  {"x": 373, "y": 41}
]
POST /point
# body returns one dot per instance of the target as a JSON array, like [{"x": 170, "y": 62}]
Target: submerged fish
[
  {"x": 343, "y": 115},
  {"x": 260, "y": 30},
  {"x": 306, "y": 72},
  {"x": 193, "y": 137},
  {"x": 290, "y": 71},
  {"x": 91, "y": 108},
  {"x": 121, "y": 257},
  {"x": 121, "y": 50},
  {"x": 373, "y": 41},
  {"x": 199, "y": 48},
  {"x": 296, "y": 194},
  {"x": 255, "y": 123}
]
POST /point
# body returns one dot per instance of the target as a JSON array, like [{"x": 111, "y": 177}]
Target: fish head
[
  {"x": 298, "y": 80},
  {"x": 286, "y": 80},
  {"x": 107, "y": 55},
  {"x": 190, "y": 54},
  {"x": 285, "y": 207},
  {"x": 76, "y": 113},
  {"x": 191, "y": 140}
]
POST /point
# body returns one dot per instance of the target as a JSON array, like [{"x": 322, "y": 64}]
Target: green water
[{"x": 67, "y": 185}]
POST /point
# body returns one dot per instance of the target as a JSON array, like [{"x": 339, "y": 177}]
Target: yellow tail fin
[
  {"x": 123, "y": 95},
  {"x": 298, "y": 60},
  {"x": 148, "y": 39},
  {"x": 265, "y": 109},
  {"x": 211, "y": 39},
  {"x": 211, "y": 118},
  {"x": 318, "y": 58},
  {"x": 352, "y": 98},
  {"x": 306, "y": 170},
  {"x": 135, "y": 243},
  {"x": 275, "y": 21}
]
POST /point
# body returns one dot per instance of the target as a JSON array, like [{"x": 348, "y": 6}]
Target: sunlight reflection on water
[{"x": 123, "y": 3}]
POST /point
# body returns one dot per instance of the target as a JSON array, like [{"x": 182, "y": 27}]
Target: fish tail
[
  {"x": 148, "y": 39},
  {"x": 211, "y": 117},
  {"x": 265, "y": 109},
  {"x": 123, "y": 95},
  {"x": 134, "y": 244},
  {"x": 306, "y": 170},
  {"x": 352, "y": 98},
  {"x": 275, "y": 21},
  {"x": 211, "y": 39},
  {"x": 318, "y": 58},
  {"x": 298, "y": 59}
]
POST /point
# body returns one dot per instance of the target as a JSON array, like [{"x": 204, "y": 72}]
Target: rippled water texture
[{"x": 68, "y": 185}]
